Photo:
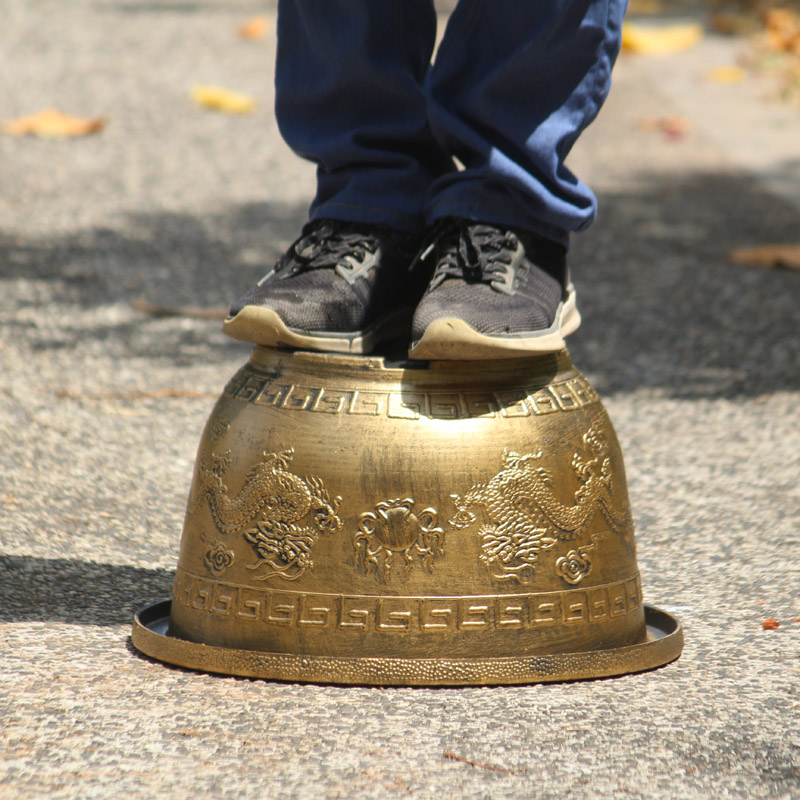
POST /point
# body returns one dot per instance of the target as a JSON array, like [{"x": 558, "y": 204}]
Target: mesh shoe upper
[
  {"x": 338, "y": 277},
  {"x": 500, "y": 282}
]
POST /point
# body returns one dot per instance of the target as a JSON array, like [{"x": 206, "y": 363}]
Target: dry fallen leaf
[
  {"x": 777, "y": 256},
  {"x": 453, "y": 757},
  {"x": 782, "y": 39},
  {"x": 645, "y": 6},
  {"x": 53, "y": 124},
  {"x": 777, "y": 51},
  {"x": 660, "y": 40},
  {"x": 770, "y": 624},
  {"x": 219, "y": 99},
  {"x": 178, "y": 311},
  {"x": 255, "y": 28},
  {"x": 154, "y": 394},
  {"x": 731, "y": 23},
  {"x": 783, "y": 29},
  {"x": 726, "y": 75},
  {"x": 673, "y": 127}
]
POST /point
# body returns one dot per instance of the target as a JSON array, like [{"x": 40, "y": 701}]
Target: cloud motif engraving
[
  {"x": 574, "y": 566},
  {"x": 218, "y": 558}
]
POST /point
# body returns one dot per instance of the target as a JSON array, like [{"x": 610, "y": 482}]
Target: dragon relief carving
[
  {"x": 279, "y": 513},
  {"x": 523, "y": 516}
]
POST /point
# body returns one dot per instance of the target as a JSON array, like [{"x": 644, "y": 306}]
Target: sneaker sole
[
  {"x": 263, "y": 326},
  {"x": 452, "y": 339}
]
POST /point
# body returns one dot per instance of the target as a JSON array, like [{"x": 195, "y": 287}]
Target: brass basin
[{"x": 428, "y": 523}]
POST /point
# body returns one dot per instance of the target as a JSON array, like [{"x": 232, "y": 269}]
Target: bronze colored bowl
[{"x": 428, "y": 523}]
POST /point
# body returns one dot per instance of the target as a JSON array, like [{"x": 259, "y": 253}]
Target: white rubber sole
[
  {"x": 263, "y": 326},
  {"x": 451, "y": 339}
]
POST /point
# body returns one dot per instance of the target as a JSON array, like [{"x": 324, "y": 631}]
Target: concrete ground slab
[{"x": 101, "y": 409}]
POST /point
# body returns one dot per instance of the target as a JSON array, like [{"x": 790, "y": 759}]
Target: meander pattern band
[{"x": 664, "y": 644}]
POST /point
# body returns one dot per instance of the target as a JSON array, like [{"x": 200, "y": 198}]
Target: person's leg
[
  {"x": 349, "y": 97},
  {"x": 512, "y": 87}
]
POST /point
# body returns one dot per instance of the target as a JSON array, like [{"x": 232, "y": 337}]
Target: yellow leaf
[
  {"x": 726, "y": 75},
  {"x": 660, "y": 40},
  {"x": 219, "y": 99},
  {"x": 255, "y": 28},
  {"x": 779, "y": 256},
  {"x": 53, "y": 124}
]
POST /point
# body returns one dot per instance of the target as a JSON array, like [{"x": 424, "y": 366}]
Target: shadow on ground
[
  {"x": 663, "y": 306},
  {"x": 76, "y": 592},
  {"x": 74, "y": 291}
]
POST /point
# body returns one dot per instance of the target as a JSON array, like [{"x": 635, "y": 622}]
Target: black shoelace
[
  {"x": 325, "y": 245},
  {"x": 477, "y": 253}
]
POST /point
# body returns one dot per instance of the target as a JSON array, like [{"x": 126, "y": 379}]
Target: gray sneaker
[
  {"x": 495, "y": 293},
  {"x": 342, "y": 287}
]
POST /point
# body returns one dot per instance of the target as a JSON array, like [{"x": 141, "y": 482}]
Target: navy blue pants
[{"x": 481, "y": 133}]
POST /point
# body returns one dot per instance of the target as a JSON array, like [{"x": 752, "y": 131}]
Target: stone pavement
[{"x": 101, "y": 409}]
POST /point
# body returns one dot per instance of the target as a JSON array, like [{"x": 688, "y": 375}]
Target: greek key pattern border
[
  {"x": 413, "y": 614},
  {"x": 261, "y": 389}
]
